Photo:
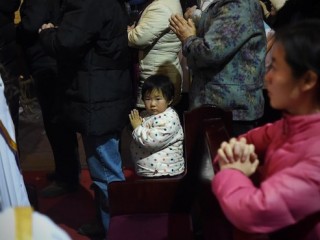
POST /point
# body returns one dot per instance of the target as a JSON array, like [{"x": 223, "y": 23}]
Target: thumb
[
  {"x": 191, "y": 23},
  {"x": 255, "y": 164}
]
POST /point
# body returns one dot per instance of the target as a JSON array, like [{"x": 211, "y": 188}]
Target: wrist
[{"x": 224, "y": 167}]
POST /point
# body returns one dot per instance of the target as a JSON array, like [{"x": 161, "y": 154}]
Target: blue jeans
[{"x": 104, "y": 162}]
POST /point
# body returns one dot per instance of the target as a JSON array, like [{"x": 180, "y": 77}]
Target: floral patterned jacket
[{"x": 227, "y": 58}]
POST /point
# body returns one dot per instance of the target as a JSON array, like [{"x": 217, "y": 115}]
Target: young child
[
  {"x": 157, "y": 146},
  {"x": 287, "y": 198}
]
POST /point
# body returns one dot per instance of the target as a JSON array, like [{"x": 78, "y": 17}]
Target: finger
[
  {"x": 253, "y": 157},
  {"x": 135, "y": 115},
  {"x": 191, "y": 23},
  {"x": 246, "y": 153},
  {"x": 222, "y": 156},
  {"x": 255, "y": 165},
  {"x": 252, "y": 154},
  {"x": 173, "y": 20},
  {"x": 251, "y": 148},
  {"x": 228, "y": 152},
  {"x": 179, "y": 20},
  {"x": 172, "y": 28},
  {"x": 232, "y": 141},
  {"x": 238, "y": 150}
]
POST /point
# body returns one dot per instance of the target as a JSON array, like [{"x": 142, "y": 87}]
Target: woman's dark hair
[
  {"x": 301, "y": 42},
  {"x": 160, "y": 83}
]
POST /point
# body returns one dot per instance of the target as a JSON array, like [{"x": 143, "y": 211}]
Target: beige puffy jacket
[{"x": 158, "y": 45}]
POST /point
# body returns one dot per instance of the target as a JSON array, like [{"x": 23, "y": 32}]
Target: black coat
[
  {"x": 296, "y": 10},
  {"x": 33, "y": 14},
  {"x": 8, "y": 47},
  {"x": 91, "y": 49}
]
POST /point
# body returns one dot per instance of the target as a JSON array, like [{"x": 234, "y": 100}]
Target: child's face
[{"x": 155, "y": 102}]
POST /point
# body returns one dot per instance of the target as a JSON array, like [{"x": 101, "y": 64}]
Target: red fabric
[
  {"x": 130, "y": 174},
  {"x": 150, "y": 226},
  {"x": 69, "y": 211}
]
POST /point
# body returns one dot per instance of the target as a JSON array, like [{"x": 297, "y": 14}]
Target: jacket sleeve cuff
[{"x": 186, "y": 44}]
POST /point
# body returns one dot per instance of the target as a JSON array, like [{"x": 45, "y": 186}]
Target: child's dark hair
[{"x": 161, "y": 83}]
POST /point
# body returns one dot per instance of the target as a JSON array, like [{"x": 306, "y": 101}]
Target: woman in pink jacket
[{"x": 286, "y": 202}]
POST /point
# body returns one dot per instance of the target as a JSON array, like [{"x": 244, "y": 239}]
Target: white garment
[
  {"x": 278, "y": 4},
  {"x": 203, "y": 5},
  {"x": 43, "y": 228},
  {"x": 157, "y": 146},
  {"x": 12, "y": 189}
]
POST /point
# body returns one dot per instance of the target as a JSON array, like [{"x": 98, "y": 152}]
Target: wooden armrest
[{"x": 215, "y": 134}]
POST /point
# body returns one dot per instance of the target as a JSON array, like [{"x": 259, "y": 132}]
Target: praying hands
[
  {"x": 237, "y": 154},
  {"x": 181, "y": 27}
]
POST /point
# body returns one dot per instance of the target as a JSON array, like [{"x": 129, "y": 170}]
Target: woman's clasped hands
[
  {"x": 238, "y": 154},
  {"x": 181, "y": 27}
]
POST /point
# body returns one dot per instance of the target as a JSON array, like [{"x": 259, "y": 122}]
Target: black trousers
[{"x": 63, "y": 141}]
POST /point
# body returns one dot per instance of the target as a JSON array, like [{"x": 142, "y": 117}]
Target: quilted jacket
[
  {"x": 91, "y": 48},
  {"x": 288, "y": 197},
  {"x": 158, "y": 46}
]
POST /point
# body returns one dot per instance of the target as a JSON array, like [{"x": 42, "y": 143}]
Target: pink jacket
[{"x": 289, "y": 191}]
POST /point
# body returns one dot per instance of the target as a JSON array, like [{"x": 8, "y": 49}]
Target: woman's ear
[{"x": 310, "y": 80}]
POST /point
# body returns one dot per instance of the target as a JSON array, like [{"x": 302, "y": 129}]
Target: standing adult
[
  {"x": 226, "y": 55},
  {"x": 91, "y": 48},
  {"x": 43, "y": 69},
  {"x": 12, "y": 188},
  {"x": 158, "y": 46},
  {"x": 9, "y": 52}
]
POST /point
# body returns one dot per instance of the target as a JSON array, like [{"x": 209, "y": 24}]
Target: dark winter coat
[
  {"x": 33, "y": 14},
  {"x": 8, "y": 48},
  {"x": 91, "y": 49}
]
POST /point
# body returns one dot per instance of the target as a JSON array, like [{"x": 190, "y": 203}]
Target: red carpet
[{"x": 69, "y": 211}]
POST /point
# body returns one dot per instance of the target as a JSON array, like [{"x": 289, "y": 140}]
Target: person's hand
[
  {"x": 237, "y": 154},
  {"x": 135, "y": 118},
  {"x": 248, "y": 167},
  {"x": 46, "y": 26},
  {"x": 129, "y": 28},
  {"x": 236, "y": 150},
  {"x": 181, "y": 27},
  {"x": 189, "y": 12},
  {"x": 266, "y": 13}
]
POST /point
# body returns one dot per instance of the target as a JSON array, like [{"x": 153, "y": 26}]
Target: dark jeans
[{"x": 63, "y": 141}]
